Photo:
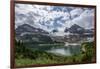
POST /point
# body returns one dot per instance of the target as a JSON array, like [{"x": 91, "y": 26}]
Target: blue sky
[{"x": 53, "y": 17}]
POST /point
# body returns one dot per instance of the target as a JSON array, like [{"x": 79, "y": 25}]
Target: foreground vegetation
[{"x": 30, "y": 56}]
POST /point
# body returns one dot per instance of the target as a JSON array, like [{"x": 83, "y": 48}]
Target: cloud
[
  {"x": 76, "y": 12},
  {"x": 53, "y": 17},
  {"x": 86, "y": 19}
]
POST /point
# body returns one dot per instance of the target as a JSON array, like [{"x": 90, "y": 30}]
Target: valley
[{"x": 37, "y": 46}]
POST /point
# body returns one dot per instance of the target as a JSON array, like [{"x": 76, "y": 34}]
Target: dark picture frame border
[{"x": 12, "y": 27}]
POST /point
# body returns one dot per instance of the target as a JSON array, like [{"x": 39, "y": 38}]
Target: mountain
[
  {"x": 28, "y": 33},
  {"x": 66, "y": 30},
  {"x": 35, "y": 38},
  {"x": 55, "y": 30},
  {"x": 89, "y": 30},
  {"x": 76, "y": 29},
  {"x": 26, "y": 28}
]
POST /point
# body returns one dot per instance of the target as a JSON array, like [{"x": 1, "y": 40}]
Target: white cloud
[
  {"x": 86, "y": 19},
  {"x": 43, "y": 17},
  {"x": 76, "y": 12}
]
